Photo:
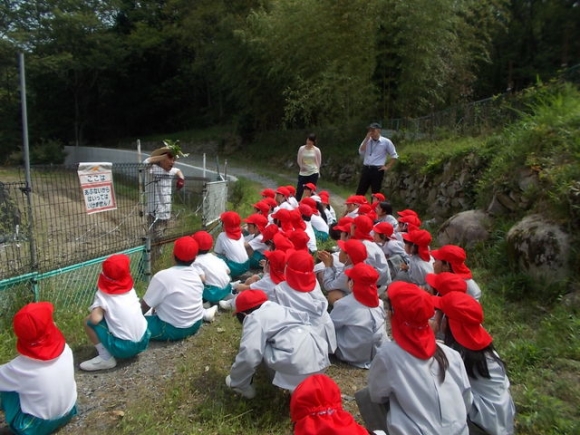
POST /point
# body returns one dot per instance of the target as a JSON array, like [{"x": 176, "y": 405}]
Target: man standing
[{"x": 375, "y": 150}]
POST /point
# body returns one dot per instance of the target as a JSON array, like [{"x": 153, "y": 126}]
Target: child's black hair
[
  {"x": 475, "y": 361},
  {"x": 334, "y": 234},
  {"x": 322, "y": 211},
  {"x": 243, "y": 314},
  {"x": 386, "y": 207},
  {"x": 441, "y": 358},
  {"x": 181, "y": 262},
  {"x": 202, "y": 251}
]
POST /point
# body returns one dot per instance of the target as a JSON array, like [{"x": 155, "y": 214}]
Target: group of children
[{"x": 383, "y": 301}]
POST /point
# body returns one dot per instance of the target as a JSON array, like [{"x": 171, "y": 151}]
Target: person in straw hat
[
  {"x": 116, "y": 326},
  {"x": 158, "y": 188},
  {"x": 38, "y": 392}
]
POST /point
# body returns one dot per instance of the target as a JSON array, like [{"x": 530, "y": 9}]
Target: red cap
[
  {"x": 455, "y": 256},
  {"x": 316, "y": 409},
  {"x": 310, "y": 202},
  {"x": 365, "y": 209},
  {"x": 116, "y": 278},
  {"x": 412, "y": 309},
  {"x": 363, "y": 227},
  {"x": 231, "y": 222},
  {"x": 204, "y": 240},
  {"x": 271, "y": 202},
  {"x": 446, "y": 282},
  {"x": 257, "y": 219},
  {"x": 355, "y": 249},
  {"x": 283, "y": 191},
  {"x": 297, "y": 220},
  {"x": 37, "y": 336},
  {"x": 324, "y": 197},
  {"x": 249, "y": 299},
  {"x": 407, "y": 212},
  {"x": 268, "y": 193},
  {"x": 344, "y": 224},
  {"x": 384, "y": 228},
  {"x": 262, "y": 206},
  {"x": 364, "y": 288},
  {"x": 379, "y": 196},
  {"x": 305, "y": 210},
  {"x": 277, "y": 261},
  {"x": 464, "y": 317},
  {"x": 421, "y": 238},
  {"x": 353, "y": 199},
  {"x": 412, "y": 221},
  {"x": 281, "y": 242},
  {"x": 269, "y": 232},
  {"x": 282, "y": 214},
  {"x": 310, "y": 186},
  {"x": 300, "y": 271},
  {"x": 299, "y": 239},
  {"x": 185, "y": 249},
  {"x": 291, "y": 190}
]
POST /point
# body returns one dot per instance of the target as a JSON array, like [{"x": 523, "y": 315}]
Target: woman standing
[{"x": 309, "y": 160}]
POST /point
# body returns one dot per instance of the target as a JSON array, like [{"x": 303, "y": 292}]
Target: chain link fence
[{"x": 51, "y": 248}]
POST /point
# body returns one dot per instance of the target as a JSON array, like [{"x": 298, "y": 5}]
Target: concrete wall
[{"x": 94, "y": 154}]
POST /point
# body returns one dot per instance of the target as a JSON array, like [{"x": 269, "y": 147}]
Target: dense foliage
[{"x": 100, "y": 70}]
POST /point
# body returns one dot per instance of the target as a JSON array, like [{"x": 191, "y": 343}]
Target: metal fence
[
  {"x": 472, "y": 118},
  {"x": 52, "y": 249}
]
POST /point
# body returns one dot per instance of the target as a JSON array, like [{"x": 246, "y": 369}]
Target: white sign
[{"x": 97, "y": 186}]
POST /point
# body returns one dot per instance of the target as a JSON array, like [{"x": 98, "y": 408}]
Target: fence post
[{"x": 28, "y": 188}]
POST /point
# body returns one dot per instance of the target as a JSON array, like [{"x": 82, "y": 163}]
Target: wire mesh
[
  {"x": 75, "y": 286},
  {"x": 51, "y": 249}
]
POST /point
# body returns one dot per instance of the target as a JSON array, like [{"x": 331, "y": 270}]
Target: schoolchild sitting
[
  {"x": 173, "y": 302},
  {"x": 416, "y": 386},
  {"x": 116, "y": 326},
  {"x": 316, "y": 409},
  {"x": 493, "y": 409},
  {"x": 253, "y": 241},
  {"x": 229, "y": 245},
  {"x": 38, "y": 392},
  {"x": 302, "y": 292},
  {"x": 359, "y": 318},
  {"x": 213, "y": 271},
  {"x": 419, "y": 262},
  {"x": 451, "y": 258},
  {"x": 279, "y": 337},
  {"x": 334, "y": 279}
]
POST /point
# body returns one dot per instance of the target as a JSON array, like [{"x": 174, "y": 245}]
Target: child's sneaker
[
  {"x": 249, "y": 392},
  {"x": 98, "y": 363},
  {"x": 209, "y": 314},
  {"x": 227, "y": 305}
]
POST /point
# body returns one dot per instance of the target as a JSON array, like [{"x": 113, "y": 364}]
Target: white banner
[{"x": 97, "y": 186}]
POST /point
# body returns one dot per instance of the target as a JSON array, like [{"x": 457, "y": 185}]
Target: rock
[
  {"x": 466, "y": 229},
  {"x": 540, "y": 249}
]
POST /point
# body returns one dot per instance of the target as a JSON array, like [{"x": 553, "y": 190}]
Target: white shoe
[
  {"x": 235, "y": 284},
  {"x": 227, "y": 305},
  {"x": 249, "y": 392},
  {"x": 98, "y": 363},
  {"x": 209, "y": 314}
]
